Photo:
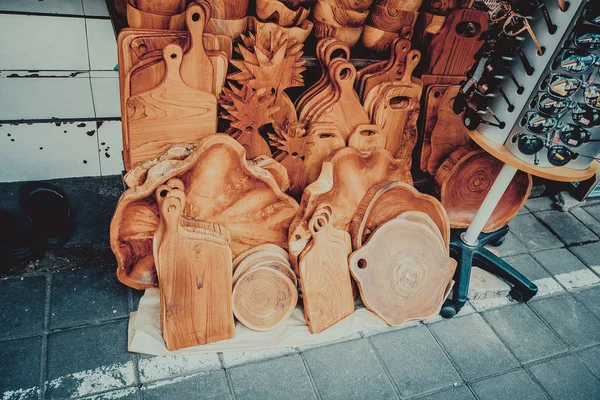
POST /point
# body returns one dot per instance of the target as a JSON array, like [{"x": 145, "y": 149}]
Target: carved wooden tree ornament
[
  {"x": 220, "y": 186},
  {"x": 290, "y": 141}
]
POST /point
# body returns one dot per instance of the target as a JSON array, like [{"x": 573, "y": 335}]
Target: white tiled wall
[{"x": 57, "y": 63}]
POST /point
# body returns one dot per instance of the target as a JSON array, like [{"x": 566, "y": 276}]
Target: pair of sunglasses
[
  {"x": 581, "y": 114},
  {"x": 587, "y": 37},
  {"x": 578, "y": 61},
  {"x": 514, "y": 24},
  {"x": 538, "y": 123},
  {"x": 591, "y": 12},
  {"x": 564, "y": 87}
]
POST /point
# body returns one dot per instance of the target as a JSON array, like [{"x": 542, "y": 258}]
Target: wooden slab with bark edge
[
  {"x": 229, "y": 9},
  {"x": 339, "y": 17},
  {"x": 349, "y": 36},
  {"x": 452, "y": 53},
  {"x": 167, "y": 7},
  {"x": 248, "y": 110},
  {"x": 244, "y": 198},
  {"x": 366, "y": 138},
  {"x": 424, "y": 219},
  {"x": 465, "y": 178},
  {"x": 327, "y": 49},
  {"x": 393, "y": 69},
  {"x": 290, "y": 140},
  {"x": 278, "y": 170},
  {"x": 323, "y": 140},
  {"x": 324, "y": 275},
  {"x": 300, "y": 33},
  {"x": 344, "y": 180},
  {"x": 354, "y": 5},
  {"x": 391, "y": 19},
  {"x": 277, "y": 12},
  {"x": 449, "y": 132},
  {"x": 263, "y": 299},
  {"x": 377, "y": 40},
  {"x": 401, "y": 274},
  {"x": 143, "y": 20},
  {"x": 170, "y": 113},
  {"x": 386, "y": 201},
  {"x": 195, "y": 284}
]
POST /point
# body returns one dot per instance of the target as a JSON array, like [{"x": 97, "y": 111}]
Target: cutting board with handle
[
  {"x": 324, "y": 275},
  {"x": 401, "y": 272},
  {"x": 366, "y": 138},
  {"x": 195, "y": 282},
  {"x": 171, "y": 113}
]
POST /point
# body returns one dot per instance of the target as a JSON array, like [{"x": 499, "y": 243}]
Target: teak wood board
[{"x": 243, "y": 197}]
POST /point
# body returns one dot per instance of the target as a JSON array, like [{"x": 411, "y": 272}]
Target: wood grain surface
[
  {"x": 277, "y": 12},
  {"x": 336, "y": 16}
]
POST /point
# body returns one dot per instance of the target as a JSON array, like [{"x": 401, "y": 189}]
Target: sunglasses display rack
[
  {"x": 560, "y": 125},
  {"x": 528, "y": 74}
]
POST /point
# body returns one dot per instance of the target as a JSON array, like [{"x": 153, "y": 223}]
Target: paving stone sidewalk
[{"x": 63, "y": 334}]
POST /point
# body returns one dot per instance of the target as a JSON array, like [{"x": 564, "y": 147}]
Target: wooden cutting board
[
  {"x": 386, "y": 201},
  {"x": 323, "y": 140},
  {"x": 433, "y": 97},
  {"x": 345, "y": 178},
  {"x": 170, "y": 113},
  {"x": 401, "y": 273},
  {"x": 173, "y": 187},
  {"x": 449, "y": 132},
  {"x": 290, "y": 141},
  {"x": 366, "y": 138},
  {"x": 264, "y": 298},
  {"x": 195, "y": 283},
  {"x": 324, "y": 275}
]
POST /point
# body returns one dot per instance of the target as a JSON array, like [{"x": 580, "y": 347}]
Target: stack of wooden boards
[
  {"x": 388, "y": 21},
  {"x": 340, "y": 19},
  {"x": 169, "y": 85}
]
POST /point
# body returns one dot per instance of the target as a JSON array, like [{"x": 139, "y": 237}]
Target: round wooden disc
[
  {"x": 255, "y": 259},
  {"x": 278, "y": 265},
  {"x": 263, "y": 299},
  {"x": 465, "y": 178},
  {"x": 267, "y": 246},
  {"x": 424, "y": 219}
]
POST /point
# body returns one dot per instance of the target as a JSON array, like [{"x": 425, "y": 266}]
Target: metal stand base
[{"x": 523, "y": 289}]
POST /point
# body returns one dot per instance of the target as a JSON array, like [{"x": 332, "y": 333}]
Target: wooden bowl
[
  {"x": 391, "y": 19},
  {"x": 349, "y": 36},
  {"x": 339, "y": 17},
  {"x": 295, "y": 4},
  {"x": 229, "y": 9},
  {"x": 163, "y": 7},
  {"x": 354, "y": 5},
  {"x": 263, "y": 299},
  {"x": 143, "y": 20},
  {"x": 378, "y": 40},
  {"x": 277, "y": 12},
  {"x": 232, "y": 28},
  {"x": 404, "y": 5},
  {"x": 465, "y": 178},
  {"x": 300, "y": 33}
]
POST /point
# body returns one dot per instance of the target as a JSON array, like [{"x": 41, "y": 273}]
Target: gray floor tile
[
  {"x": 558, "y": 261},
  {"x": 594, "y": 211},
  {"x": 22, "y": 303},
  {"x": 206, "y": 385},
  {"x": 592, "y": 223},
  {"x": 591, "y": 359},
  {"x": 89, "y": 360},
  {"x": 568, "y": 228},
  {"x": 591, "y": 299},
  {"x": 566, "y": 378},
  {"x": 273, "y": 380},
  {"x": 516, "y": 382},
  {"x": 575, "y": 324},
  {"x": 416, "y": 362},
  {"x": 456, "y": 393},
  {"x": 524, "y": 333},
  {"x": 473, "y": 346},
  {"x": 86, "y": 295},
  {"x": 540, "y": 204},
  {"x": 121, "y": 394},
  {"x": 348, "y": 370},
  {"x": 533, "y": 234},
  {"x": 589, "y": 253},
  {"x": 526, "y": 265},
  {"x": 20, "y": 367},
  {"x": 511, "y": 246}
]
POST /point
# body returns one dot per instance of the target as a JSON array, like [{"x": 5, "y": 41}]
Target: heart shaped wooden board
[
  {"x": 400, "y": 274},
  {"x": 220, "y": 187},
  {"x": 324, "y": 274},
  {"x": 386, "y": 201},
  {"x": 345, "y": 178},
  {"x": 195, "y": 282}
]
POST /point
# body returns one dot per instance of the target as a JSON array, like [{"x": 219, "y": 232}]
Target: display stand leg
[{"x": 468, "y": 248}]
